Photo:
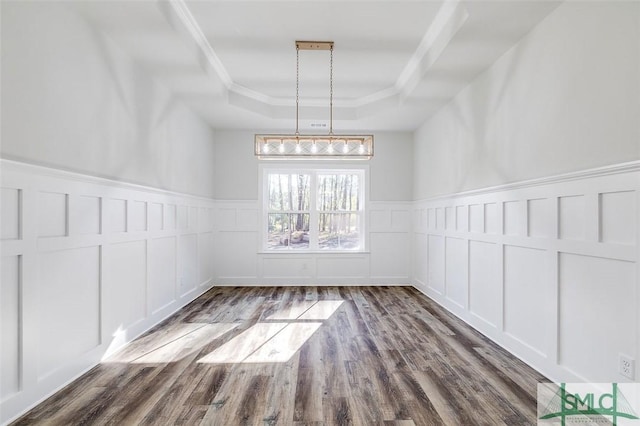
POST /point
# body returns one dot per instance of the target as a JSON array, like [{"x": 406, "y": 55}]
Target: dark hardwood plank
[{"x": 384, "y": 356}]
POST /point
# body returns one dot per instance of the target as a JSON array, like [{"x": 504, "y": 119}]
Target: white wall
[
  {"x": 73, "y": 100},
  {"x": 565, "y": 98},
  {"x": 89, "y": 263},
  {"x": 239, "y": 257},
  {"x": 549, "y": 267},
  {"x": 236, "y": 167},
  {"x": 392, "y": 167}
]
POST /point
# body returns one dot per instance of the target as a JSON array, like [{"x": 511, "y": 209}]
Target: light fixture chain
[
  {"x": 297, "y": 86},
  {"x": 313, "y": 146},
  {"x": 331, "y": 91}
]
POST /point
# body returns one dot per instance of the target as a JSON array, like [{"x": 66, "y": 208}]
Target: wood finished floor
[{"x": 367, "y": 356}]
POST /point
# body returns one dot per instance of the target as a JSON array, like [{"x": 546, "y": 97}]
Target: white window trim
[{"x": 313, "y": 169}]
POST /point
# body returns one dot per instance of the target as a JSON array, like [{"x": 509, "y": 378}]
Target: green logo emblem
[{"x": 587, "y": 404}]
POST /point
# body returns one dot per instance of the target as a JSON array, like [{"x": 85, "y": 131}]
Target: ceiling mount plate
[{"x": 314, "y": 45}]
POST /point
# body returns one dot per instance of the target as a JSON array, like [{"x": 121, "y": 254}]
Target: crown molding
[
  {"x": 189, "y": 23},
  {"x": 451, "y": 16}
]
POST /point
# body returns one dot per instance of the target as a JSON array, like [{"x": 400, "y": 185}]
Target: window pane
[
  {"x": 299, "y": 231},
  {"x": 288, "y": 192},
  {"x": 288, "y": 231},
  {"x": 338, "y": 192},
  {"x": 278, "y": 192},
  {"x": 300, "y": 192},
  {"x": 278, "y": 231},
  {"x": 339, "y": 231}
]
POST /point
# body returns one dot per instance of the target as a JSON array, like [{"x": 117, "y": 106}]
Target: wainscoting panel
[
  {"x": 241, "y": 259},
  {"x": 456, "y": 272},
  {"x": 595, "y": 301},
  {"x": 52, "y": 214},
  {"x": 187, "y": 263},
  {"x": 236, "y": 257},
  {"x": 162, "y": 272},
  {"x": 435, "y": 272},
  {"x": 539, "y": 214},
  {"x": 138, "y": 217},
  {"x": 64, "y": 298},
  {"x": 389, "y": 254},
  {"x": 88, "y": 264},
  {"x": 419, "y": 261},
  {"x": 117, "y": 209},
  {"x": 462, "y": 218},
  {"x": 485, "y": 291},
  {"x": 440, "y": 221},
  {"x": 491, "y": 218},
  {"x": 170, "y": 217},
  {"x": 526, "y": 292},
  {"x": 618, "y": 217},
  {"x": 156, "y": 216},
  {"x": 571, "y": 220},
  {"x": 10, "y": 210},
  {"x": 85, "y": 215},
  {"x": 205, "y": 255},
  {"x": 379, "y": 219},
  {"x": 283, "y": 268},
  {"x": 183, "y": 217},
  {"x": 193, "y": 218},
  {"x": 450, "y": 218},
  {"x": 343, "y": 268},
  {"x": 547, "y": 268},
  {"x": 10, "y": 327},
  {"x": 476, "y": 218},
  {"x": 125, "y": 289},
  {"x": 515, "y": 218}
]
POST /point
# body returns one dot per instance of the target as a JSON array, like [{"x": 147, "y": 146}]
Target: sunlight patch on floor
[
  {"x": 275, "y": 341},
  {"x": 182, "y": 341},
  {"x": 322, "y": 310},
  {"x": 241, "y": 346},
  {"x": 285, "y": 344},
  {"x": 294, "y": 311}
]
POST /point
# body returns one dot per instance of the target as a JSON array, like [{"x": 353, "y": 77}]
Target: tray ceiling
[{"x": 395, "y": 62}]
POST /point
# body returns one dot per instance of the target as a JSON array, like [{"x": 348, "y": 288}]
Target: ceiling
[{"x": 395, "y": 62}]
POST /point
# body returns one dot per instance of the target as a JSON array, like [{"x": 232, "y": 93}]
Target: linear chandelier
[{"x": 330, "y": 146}]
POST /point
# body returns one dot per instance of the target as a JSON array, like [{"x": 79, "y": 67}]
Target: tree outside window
[{"x": 314, "y": 210}]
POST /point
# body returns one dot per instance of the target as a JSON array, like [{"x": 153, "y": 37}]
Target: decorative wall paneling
[
  {"x": 87, "y": 265},
  {"x": 547, "y": 268},
  {"x": 240, "y": 260}
]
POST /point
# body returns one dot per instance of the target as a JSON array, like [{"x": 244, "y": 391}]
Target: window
[
  {"x": 314, "y": 209},
  {"x": 288, "y": 215}
]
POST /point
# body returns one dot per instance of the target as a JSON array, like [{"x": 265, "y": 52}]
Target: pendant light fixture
[{"x": 330, "y": 146}]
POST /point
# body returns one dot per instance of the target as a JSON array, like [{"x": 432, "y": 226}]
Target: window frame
[{"x": 314, "y": 170}]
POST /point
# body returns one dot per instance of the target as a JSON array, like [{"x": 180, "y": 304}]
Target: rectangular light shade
[{"x": 314, "y": 147}]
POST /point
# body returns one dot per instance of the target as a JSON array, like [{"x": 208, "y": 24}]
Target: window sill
[{"x": 307, "y": 252}]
